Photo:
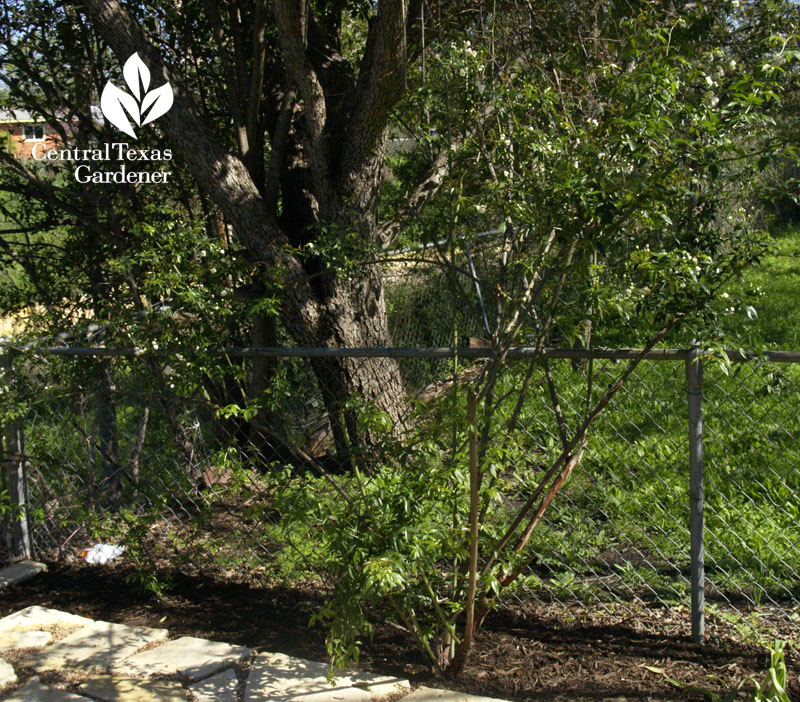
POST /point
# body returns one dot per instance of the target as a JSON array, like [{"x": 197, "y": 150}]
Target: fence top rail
[{"x": 515, "y": 352}]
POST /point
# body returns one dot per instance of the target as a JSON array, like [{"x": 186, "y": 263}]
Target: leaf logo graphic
[{"x": 142, "y": 107}]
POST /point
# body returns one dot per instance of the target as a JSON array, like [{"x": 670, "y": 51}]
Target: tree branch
[
  {"x": 379, "y": 87},
  {"x": 47, "y": 192},
  {"x": 277, "y": 153},
  {"x": 292, "y": 20},
  {"x": 416, "y": 201},
  {"x": 222, "y": 176},
  {"x": 235, "y": 103},
  {"x": 257, "y": 70}
]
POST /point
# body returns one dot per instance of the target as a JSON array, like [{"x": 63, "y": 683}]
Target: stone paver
[
  {"x": 20, "y": 572},
  {"x": 12, "y": 640},
  {"x": 276, "y": 677},
  {"x": 429, "y": 694},
  {"x": 195, "y": 658},
  {"x": 97, "y": 645},
  {"x": 221, "y": 687},
  {"x": 111, "y": 688},
  {"x": 7, "y": 674},
  {"x": 34, "y": 691},
  {"x": 36, "y": 617}
]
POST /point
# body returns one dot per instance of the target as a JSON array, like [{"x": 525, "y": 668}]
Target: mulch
[{"x": 527, "y": 651}]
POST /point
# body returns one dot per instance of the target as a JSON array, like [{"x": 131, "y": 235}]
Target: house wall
[{"x": 24, "y": 149}]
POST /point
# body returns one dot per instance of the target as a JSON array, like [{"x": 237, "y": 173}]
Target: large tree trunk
[
  {"x": 354, "y": 316},
  {"x": 329, "y": 152}
]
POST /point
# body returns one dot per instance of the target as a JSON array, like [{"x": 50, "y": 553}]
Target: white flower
[
  {"x": 725, "y": 296},
  {"x": 480, "y": 209},
  {"x": 709, "y": 81}
]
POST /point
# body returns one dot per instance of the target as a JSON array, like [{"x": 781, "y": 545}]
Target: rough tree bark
[{"x": 328, "y": 131}]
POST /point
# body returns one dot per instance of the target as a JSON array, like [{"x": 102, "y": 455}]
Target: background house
[{"x": 20, "y": 132}]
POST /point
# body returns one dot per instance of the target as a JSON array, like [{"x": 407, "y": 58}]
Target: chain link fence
[{"x": 194, "y": 467}]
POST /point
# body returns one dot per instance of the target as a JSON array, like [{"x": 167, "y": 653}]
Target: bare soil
[{"x": 528, "y": 651}]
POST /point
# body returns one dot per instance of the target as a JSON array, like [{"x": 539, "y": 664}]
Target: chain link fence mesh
[{"x": 177, "y": 459}]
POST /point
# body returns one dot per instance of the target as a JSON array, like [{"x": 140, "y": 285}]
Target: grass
[
  {"x": 632, "y": 490},
  {"x": 772, "y": 288},
  {"x": 635, "y": 481},
  {"x": 622, "y": 525}
]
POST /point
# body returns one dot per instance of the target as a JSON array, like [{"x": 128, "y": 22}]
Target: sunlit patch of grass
[{"x": 772, "y": 289}]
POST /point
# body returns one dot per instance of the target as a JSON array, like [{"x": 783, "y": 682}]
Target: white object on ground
[{"x": 102, "y": 553}]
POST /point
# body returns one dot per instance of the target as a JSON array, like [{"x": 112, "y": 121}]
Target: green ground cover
[
  {"x": 630, "y": 497},
  {"x": 772, "y": 288},
  {"x": 626, "y": 510},
  {"x": 636, "y": 473}
]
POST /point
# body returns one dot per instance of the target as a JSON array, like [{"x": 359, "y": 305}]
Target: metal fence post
[
  {"x": 694, "y": 382},
  {"x": 15, "y": 480}
]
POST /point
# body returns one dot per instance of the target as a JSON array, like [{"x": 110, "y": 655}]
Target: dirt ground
[{"x": 530, "y": 651}]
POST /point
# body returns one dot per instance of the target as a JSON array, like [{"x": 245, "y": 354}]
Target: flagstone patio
[{"x": 109, "y": 662}]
